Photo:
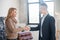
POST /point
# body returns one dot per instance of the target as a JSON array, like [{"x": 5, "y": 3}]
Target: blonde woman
[{"x": 11, "y": 22}]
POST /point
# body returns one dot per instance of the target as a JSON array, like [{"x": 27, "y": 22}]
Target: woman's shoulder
[{"x": 8, "y": 19}]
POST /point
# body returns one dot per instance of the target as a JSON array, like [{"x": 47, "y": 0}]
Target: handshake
[{"x": 26, "y": 28}]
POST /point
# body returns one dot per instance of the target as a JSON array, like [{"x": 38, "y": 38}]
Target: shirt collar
[{"x": 44, "y": 15}]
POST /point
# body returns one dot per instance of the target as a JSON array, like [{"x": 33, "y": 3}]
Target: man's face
[{"x": 43, "y": 9}]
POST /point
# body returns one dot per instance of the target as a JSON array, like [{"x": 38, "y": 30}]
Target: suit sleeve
[
  {"x": 35, "y": 28},
  {"x": 52, "y": 29}
]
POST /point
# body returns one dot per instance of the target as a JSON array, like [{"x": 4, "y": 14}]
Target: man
[{"x": 46, "y": 26}]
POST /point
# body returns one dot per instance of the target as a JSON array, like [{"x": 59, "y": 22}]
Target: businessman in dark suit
[{"x": 46, "y": 26}]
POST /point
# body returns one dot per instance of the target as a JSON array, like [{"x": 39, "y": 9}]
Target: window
[
  {"x": 50, "y": 5},
  {"x": 50, "y": 8},
  {"x": 47, "y": 0},
  {"x": 31, "y": 1},
  {"x": 33, "y": 10},
  {"x": 34, "y": 13}
]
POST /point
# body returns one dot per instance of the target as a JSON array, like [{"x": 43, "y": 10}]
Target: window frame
[{"x": 40, "y": 1}]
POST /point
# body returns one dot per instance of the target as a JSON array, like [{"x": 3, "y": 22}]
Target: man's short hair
[{"x": 43, "y": 4}]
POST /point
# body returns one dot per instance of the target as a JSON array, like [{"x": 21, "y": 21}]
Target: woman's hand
[
  {"x": 20, "y": 29},
  {"x": 26, "y": 28}
]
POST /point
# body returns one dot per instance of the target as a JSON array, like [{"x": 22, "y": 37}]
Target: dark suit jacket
[{"x": 48, "y": 28}]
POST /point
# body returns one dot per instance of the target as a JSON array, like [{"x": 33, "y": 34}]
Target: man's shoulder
[{"x": 51, "y": 18}]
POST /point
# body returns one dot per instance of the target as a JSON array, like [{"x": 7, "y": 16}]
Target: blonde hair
[{"x": 9, "y": 12}]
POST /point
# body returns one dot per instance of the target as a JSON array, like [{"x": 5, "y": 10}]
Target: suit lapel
[{"x": 45, "y": 19}]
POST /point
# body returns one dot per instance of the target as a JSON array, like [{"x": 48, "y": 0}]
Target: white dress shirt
[{"x": 42, "y": 20}]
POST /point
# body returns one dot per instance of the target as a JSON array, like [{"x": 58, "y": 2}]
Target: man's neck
[{"x": 45, "y": 13}]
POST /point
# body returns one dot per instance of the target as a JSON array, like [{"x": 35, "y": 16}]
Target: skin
[
  {"x": 43, "y": 10},
  {"x": 14, "y": 13}
]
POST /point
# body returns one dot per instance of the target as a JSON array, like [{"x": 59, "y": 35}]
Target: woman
[{"x": 11, "y": 22}]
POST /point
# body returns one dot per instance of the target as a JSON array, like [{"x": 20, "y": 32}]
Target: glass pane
[
  {"x": 33, "y": 1},
  {"x": 50, "y": 8},
  {"x": 47, "y": 0},
  {"x": 33, "y": 13}
]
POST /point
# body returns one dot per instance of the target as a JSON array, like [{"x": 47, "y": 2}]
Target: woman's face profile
[{"x": 14, "y": 13}]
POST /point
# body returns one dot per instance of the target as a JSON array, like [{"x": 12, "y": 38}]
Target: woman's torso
[{"x": 11, "y": 35}]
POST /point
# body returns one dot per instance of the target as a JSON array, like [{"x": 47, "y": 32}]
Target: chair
[{"x": 2, "y": 29}]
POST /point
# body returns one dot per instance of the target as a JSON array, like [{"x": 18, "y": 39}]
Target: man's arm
[
  {"x": 35, "y": 28},
  {"x": 52, "y": 28}
]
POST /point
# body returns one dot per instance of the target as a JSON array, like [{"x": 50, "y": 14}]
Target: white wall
[
  {"x": 23, "y": 11},
  {"x": 6, "y": 4},
  {"x": 57, "y": 17}
]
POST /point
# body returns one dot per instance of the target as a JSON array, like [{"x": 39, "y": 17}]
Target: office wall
[
  {"x": 57, "y": 13},
  {"x": 6, "y": 4},
  {"x": 23, "y": 11},
  {"x": 57, "y": 17}
]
